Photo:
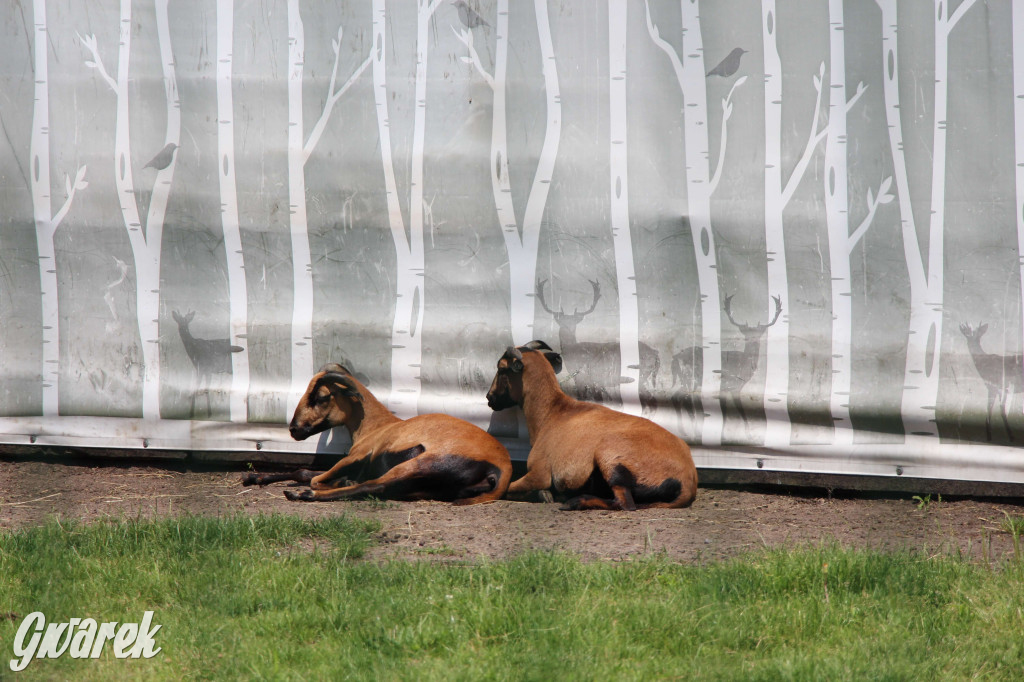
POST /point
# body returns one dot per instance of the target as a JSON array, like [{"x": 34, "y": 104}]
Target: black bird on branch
[
  {"x": 729, "y": 65},
  {"x": 163, "y": 158},
  {"x": 469, "y": 17}
]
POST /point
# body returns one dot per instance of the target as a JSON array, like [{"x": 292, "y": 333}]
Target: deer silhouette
[
  {"x": 595, "y": 366},
  {"x": 209, "y": 357},
  {"x": 738, "y": 366},
  {"x": 1003, "y": 375}
]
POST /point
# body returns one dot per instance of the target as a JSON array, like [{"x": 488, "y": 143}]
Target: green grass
[{"x": 283, "y": 598}]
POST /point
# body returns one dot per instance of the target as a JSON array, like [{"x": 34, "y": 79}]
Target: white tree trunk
[
  {"x": 776, "y": 388},
  {"x": 915, "y": 419},
  {"x": 45, "y": 221},
  {"x": 522, "y": 246},
  {"x": 146, "y": 244},
  {"x": 837, "y": 209},
  {"x": 622, "y": 240},
  {"x": 148, "y": 290},
  {"x": 406, "y": 332},
  {"x": 40, "y": 183},
  {"x": 238, "y": 299},
  {"x": 778, "y": 429},
  {"x": 302, "y": 269},
  {"x": 924, "y": 341},
  {"x": 1018, "y": 110},
  {"x": 690, "y": 74},
  {"x": 692, "y": 82},
  {"x": 299, "y": 150},
  {"x": 406, "y": 339},
  {"x": 521, "y": 243}
]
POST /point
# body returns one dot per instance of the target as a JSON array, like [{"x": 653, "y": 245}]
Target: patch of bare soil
[{"x": 723, "y": 522}]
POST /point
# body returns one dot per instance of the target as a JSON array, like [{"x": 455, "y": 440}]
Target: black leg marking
[
  {"x": 304, "y": 496},
  {"x": 380, "y": 464},
  {"x": 453, "y": 477},
  {"x": 666, "y": 491}
]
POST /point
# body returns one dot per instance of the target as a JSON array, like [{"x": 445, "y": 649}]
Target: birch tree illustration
[
  {"x": 841, "y": 242},
  {"x": 777, "y": 196},
  {"x": 521, "y": 241},
  {"x": 1018, "y": 137},
  {"x": 299, "y": 150},
  {"x": 406, "y": 341},
  {"x": 924, "y": 339},
  {"x": 145, "y": 243},
  {"x": 622, "y": 240},
  {"x": 46, "y": 221},
  {"x": 238, "y": 299},
  {"x": 700, "y": 185}
]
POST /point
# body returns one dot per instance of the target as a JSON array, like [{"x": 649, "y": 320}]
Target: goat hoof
[
  {"x": 546, "y": 496},
  {"x": 251, "y": 479},
  {"x": 304, "y": 496}
]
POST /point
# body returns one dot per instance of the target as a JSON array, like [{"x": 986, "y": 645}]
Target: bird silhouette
[
  {"x": 468, "y": 16},
  {"x": 729, "y": 65},
  {"x": 163, "y": 158}
]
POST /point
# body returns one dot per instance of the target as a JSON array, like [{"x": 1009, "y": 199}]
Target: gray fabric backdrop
[{"x": 790, "y": 232}]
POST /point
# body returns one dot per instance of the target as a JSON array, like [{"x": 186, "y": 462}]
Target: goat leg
[
  {"x": 623, "y": 501},
  {"x": 397, "y": 483},
  {"x": 299, "y": 476}
]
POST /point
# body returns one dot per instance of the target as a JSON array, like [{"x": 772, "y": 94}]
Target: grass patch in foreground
[{"x": 280, "y": 598}]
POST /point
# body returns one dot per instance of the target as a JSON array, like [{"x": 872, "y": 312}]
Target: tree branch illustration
[
  {"x": 89, "y": 42},
  {"x": 70, "y": 189},
  {"x": 873, "y": 203},
  {"x": 814, "y": 138},
  {"x": 333, "y": 95},
  {"x": 465, "y": 36},
  {"x": 726, "y": 115}
]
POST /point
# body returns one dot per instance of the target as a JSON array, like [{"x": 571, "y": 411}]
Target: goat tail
[
  {"x": 492, "y": 488},
  {"x": 687, "y": 488}
]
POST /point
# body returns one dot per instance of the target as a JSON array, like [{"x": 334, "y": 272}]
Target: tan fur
[
  {"x": 376, "y": 431},
  {"x": 571, "y": 438}
]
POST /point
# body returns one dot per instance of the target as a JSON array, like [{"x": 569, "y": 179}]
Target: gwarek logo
[{"x": 82, "y": 638}]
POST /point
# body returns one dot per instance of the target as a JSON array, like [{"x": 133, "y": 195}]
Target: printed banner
[{"x": 790, "y": 232}]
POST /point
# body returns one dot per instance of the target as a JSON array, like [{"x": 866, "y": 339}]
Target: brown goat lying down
[
  {"x": 579, "y": 447},
  {"x": 428, "y": 457}
]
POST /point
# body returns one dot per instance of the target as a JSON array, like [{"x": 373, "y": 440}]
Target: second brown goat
[
  {"x": 580, "y": 448},
  {"x": 428, "y": 457}
]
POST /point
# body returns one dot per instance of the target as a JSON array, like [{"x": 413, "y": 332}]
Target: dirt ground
[{"x": 723, "y": 521}]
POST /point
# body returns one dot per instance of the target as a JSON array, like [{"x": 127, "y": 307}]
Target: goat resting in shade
[
  {"x": 580, "y": 448},
  {"x": 428, "y": 457}
]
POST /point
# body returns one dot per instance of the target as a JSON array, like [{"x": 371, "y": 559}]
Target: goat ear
[
  {"x": 555, "y": 359},
  {"x": 348, "y": 389}
]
